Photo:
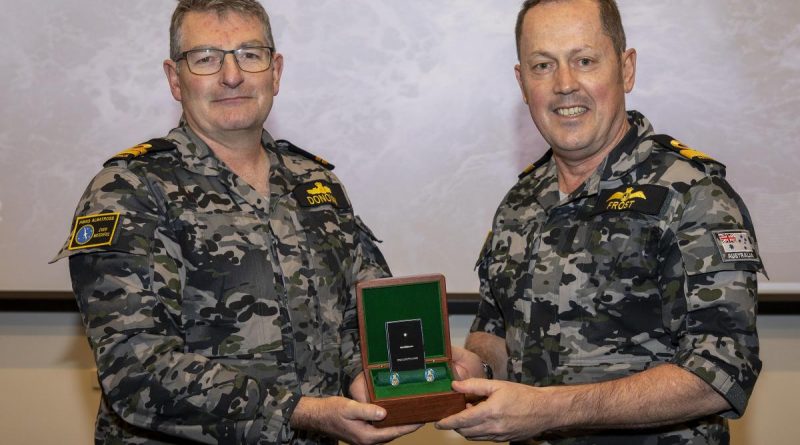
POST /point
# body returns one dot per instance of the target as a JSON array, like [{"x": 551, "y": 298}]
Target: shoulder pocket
[
  {"x": 109, "y": 232},
  {"x": 705, "y": 250}
]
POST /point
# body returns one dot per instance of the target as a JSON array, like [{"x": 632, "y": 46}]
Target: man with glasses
[{"x": 215, "y": 268}]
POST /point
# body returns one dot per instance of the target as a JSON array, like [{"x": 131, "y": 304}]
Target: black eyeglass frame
[{"x": 225, "y": 52}]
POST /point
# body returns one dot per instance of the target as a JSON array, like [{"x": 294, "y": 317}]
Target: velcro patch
[
  {"x": 735, "y": 245},
  {"x": 318, "y": 193},
  {"x": 93, "y": 231},
  {"x": 644, "y": 198}
]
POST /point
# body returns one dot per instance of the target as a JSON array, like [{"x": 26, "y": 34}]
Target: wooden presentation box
[{"x": 412, "y": 298}]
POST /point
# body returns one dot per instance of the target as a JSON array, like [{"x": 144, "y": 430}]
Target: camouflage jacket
[
  {"x": 210, "y": 308},
  {"x": 652, "y": 260}
]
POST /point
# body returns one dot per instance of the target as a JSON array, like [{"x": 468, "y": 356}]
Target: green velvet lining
[
  {"x": 412, "y": 389},
  {"x": 384, "y": 378},
  {"x": 403, "y": 302}
]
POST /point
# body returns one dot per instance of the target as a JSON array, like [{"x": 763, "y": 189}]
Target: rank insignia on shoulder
[
  {"x": 527, "y": 171},
  {"x": 283, "y": 143},
  {"x": 644, "y": 198},
  {"x": 543, "y": 160},
  {"x": 318, "y": 193},
  {"x": 151, "y": 146},
  {"x": 682, "y": 149},
  {"x": 735, "y": 245},
  {"x": 93, "y": 231}
]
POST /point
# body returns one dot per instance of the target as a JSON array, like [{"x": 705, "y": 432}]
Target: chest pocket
[
  {"x": 624, "y": 244},
  {"x": 510, "y": 276},
  {"x": 614, "y": 309},
  {"x": 320, "y": 278},
  {"x": 230, "y": 306}
]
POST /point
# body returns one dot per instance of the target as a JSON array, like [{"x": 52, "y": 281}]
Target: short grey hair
[
  {"x": 247, "y": 8},
  {"x": 609, "y": 17}
]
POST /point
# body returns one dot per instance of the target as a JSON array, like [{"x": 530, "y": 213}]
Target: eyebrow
[
  {"x": 245, "y": 44},
  {"x": 549, "y": 54}
]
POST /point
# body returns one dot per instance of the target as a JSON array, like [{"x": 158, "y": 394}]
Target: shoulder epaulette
[
  {"x": 543, "y": 160},
  {"x": 151, "y": 146},
  {"x": 682, "y": 149},
  {"x": 288, "y": 146}
]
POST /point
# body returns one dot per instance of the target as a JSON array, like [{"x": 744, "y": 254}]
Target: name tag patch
[
  {"x": 644, "y": 198},
  {"x": 735, "y": 245},
  {"x": 317, "y": 193},
  {"x": 93, "y": 231}
]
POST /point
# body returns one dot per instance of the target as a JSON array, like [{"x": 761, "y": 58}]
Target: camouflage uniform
[
  {"x": 629, "y": 271},
  {"x": 211, "y": 309}
]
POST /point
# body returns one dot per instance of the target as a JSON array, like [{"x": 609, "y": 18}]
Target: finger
[
  {"x": 478, "y": 387},
  {"x": 477, "y": 434},
  {"x": 461, "y": 373},
  {"x": 390, "y": 433},
  {"x": 401, "y": 430},
  {"x": 363, "y": 411},
  {"x": 465, "y": 419}
]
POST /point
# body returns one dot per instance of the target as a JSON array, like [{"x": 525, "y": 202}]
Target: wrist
[
  {"x": 308, "y": 414},
  {"x": 567, "y": 400}
]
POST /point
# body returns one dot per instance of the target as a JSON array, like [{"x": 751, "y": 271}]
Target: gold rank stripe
[
  {"x": 136, "y": 150},
  {"x": 689, "y": 152}
]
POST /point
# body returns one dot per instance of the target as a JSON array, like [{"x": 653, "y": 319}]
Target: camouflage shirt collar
[
  {"x": 281, "y": 178},
  {"x": 624, "y": 157},
  {"x": 631, "y": 151},
  {"x": 628, "y": 153},
  {"x": 198, "y": 157},
  {"x": 545, "y": 179}
]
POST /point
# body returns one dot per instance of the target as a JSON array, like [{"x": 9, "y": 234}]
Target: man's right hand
[{"x": 346, "y": 420}]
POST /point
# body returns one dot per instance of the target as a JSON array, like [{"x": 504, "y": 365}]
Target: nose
[
  {"x": 231, "y": 74},
  {"x": 566, "y": 82}
]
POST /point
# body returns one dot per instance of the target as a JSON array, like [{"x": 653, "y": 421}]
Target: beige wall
[{"x": 46, "y": 382}]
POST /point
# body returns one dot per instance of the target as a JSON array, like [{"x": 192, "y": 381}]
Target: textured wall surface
[
  {"x": 414, "y": 101},
  {"x": 50, "y": 393}
]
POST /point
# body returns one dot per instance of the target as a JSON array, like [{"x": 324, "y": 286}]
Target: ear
[
  {"x": 171, "y": 71},
  {"x": 629, "y": 69},
  {"x": 277, "y": 70},
  {"x": 518, "y": 73}
]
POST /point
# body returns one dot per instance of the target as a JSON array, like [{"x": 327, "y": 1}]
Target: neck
[
  {"x": 573, "y": 172},
  {"x": 240, "y": 142},
  {"x": 242, "y": 153}
]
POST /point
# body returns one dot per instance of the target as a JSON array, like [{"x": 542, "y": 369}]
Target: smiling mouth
[
  {"x": 230, "y": 99},
  {"x": 571, "y": 111}
]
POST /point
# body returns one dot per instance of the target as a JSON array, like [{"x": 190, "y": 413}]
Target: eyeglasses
[{"x": 207, "y": 61}]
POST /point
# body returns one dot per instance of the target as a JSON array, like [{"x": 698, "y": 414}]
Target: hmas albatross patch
[{"x": 93, "y": 231}]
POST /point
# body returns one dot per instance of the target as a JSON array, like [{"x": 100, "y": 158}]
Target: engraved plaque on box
[{"x": 405, "y": 344}]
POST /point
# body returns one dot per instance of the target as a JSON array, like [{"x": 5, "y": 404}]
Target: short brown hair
[
  {"x": 250, "y": 8},
  {"x": 609, "y": 17}
]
